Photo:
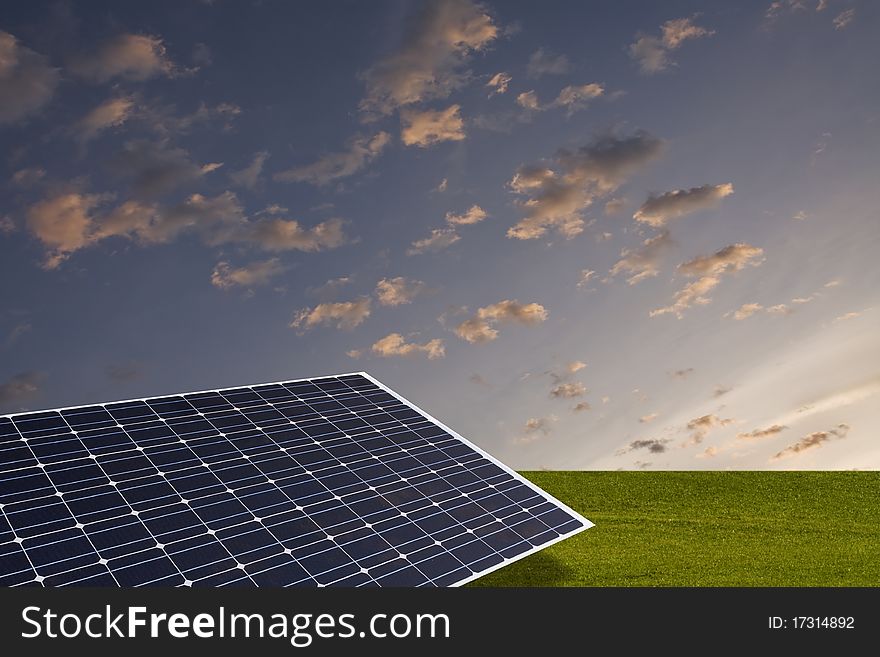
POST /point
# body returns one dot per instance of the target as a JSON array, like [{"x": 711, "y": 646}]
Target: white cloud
[
  {"x": 576, "y": 97},
  {"x": 481, "y": 327},
  {"x": 27, "y": 81},
  {"x": 394, "y": 344},
  {"x": 710, "y": 269},
  {"x": 813, "y": 440},
  {"x": 28, "y": 177},
  {"x": 650, "y": 417},
  {"x": 652, "y": 52},
  {"x": 398, "y": 291},
  {"x": 587, "y": 275},
  {"x": 844, "y": 18},
  {"x": 109, "y": 114},
  {"x": 442, "y": 187},
  {"x": 156, "y": 168},
  {"x": 575, "y": 366},
  {"x": 251, "y": 275},
  {"x": 250, "y": 175},
  {"x": 528, "y": 100},
  {"x": 474, "y": 215},
  {"x": 430, "y": 62},
  {"x": 361, "y": 150},
  {"x": 643, "y": 262},
  {"x": 701, "y": 427},
  {"x": 344, "y": 315},
  {"x": 19, "y": 387},
  {"x": 425, "y": 128},
  {"x": 439, "y": 239},
  {"x": 556, "y": 194},
  {"x": 128, "y": 56},
  {"x": 747, "y": 310},
  {"x": 69, "y": 221},
  {"x": 536, "y": 428},
  {"x": 659, "y": 210},
  {"x": 499, "y": 83},
  {"x": 545, "y": 62},
  {"x": 568, "y": 390}
]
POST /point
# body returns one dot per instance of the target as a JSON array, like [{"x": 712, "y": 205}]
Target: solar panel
[{"x": 330, "y": 481}]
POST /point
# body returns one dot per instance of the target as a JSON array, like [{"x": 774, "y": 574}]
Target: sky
[{"x": 595, "y": 235}]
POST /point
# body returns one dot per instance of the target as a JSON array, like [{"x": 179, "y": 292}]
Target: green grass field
[{"x": 710, "y": 529}]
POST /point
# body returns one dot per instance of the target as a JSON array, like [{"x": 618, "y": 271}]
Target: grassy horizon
[{"x": 710, "y": 529}]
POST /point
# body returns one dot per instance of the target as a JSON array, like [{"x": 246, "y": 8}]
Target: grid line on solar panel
[{"x": 318, "y": 482}]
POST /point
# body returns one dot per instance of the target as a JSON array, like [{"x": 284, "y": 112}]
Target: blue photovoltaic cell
[{"x": 331, "y": 481}]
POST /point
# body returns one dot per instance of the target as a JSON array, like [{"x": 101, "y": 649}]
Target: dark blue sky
[{"x": 586, "y": 235}]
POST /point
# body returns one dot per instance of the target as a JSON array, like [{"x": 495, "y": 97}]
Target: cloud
[
  {"x": 780, "y": 309},
  {"x": 581, "y": 406},
  {"x": 430, "y": 62},
  {"x": 17, "y": 331},
  {"x": 568, "y": 390},
  {"x": 652, "y": 52},
  {"x": 545, "y": 62},
  {"x": 354, "y": 353},
  {"x": 844, "y": 18},
  {"x": 329, "y": 289},
  {"x": 69, "y": 221},
  {"x": 650, "y": 417},
  {"x": 425, "y": 128},
  {"x": 289, "y": 235},
  {"x": 156, "y": 169},
  {"x": 682, "y": 374},
  {"x": 800, "y": 215},
  {"x": 701, "y": 426},
  {"x": 20, "y": 387},
  {"x": 653, "y": 445},
  {"x": 360, "y": 151},
  {"x": 586, "y": 276},
  {"x": 164, "y": 120},
  {"x": 813, "y": 441},
  {"x": 576, "y": 97},
  {"x": 442, "y": 187},
  {"x": 575, "y": 366},
  {"x": 847, "y": 316},
  {"x": 498, "y": 84},
  {"x": 528, "y": 100},
  {"x": 394, "y": 344},
  {"x": 747, "y": 310},
  {"x": 343, "y": 315},
  {"x": 124, "y": 372},
  {"x": 615, "y": 206},
  {"x": 658, "y": 210},
  {"x": 760, "y": 434},
  {"x": 557, "y": 193},
  {"x": 27, "y": 82},
  {"x": 480, "y": 380},
  {"x": 251, "y": 275},
  {"x": 128, "y": 56},
  {"x": 63, "y": 223},
  {"x": 250, "y": 175},
  {"x": 474, "y": 215},
  {"x": 710, "y": 269},
  {"x": 720, "y": 391},
  {"x": 573, "y": 98},
  {"x": 109, "y": 114},
  {"x": 481, "y": 327},
  {"x": 398, "y": 291},
  {"x": 536, "y": 428},
  {"x": 643, "y": 262},
  {"x": 28, "y": 177},
  {"x": 439, "y": 239}
]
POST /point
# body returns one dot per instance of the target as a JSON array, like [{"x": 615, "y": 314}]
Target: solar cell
[{"x": 335, "y": 481}]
